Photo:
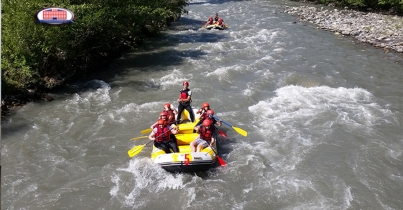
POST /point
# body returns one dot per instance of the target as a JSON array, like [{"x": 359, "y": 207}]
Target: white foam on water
[
  {"x": 175, "y": 78},
  {"x": 142, "y": 177},
  {"x": 295, "y": 108},
  {"x": 114, "y": 190},
  {"x": 354, "y": 107},
  {"x": 223, "y": 73},
  {"x": 282, "y": 121}
]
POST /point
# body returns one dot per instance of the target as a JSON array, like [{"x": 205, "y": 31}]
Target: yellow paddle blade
[
  {"x": 240, "y": 131},
  {"x": 135, "y": 150},
  {"x": 146, "y": 131},
  {"x": 140, "y": 137}
]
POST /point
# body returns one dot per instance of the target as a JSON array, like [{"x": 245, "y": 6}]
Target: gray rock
[{"x": 380, "y": 30}]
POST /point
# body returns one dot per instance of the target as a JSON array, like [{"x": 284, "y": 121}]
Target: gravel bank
[{"x": 385, "y": 31}]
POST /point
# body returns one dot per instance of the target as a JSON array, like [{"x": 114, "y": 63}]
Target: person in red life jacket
[
  {"x": 205, "y": 138},
  {"x": 210, "y": 114},
  {"x": 185, "y": 98},
  {"x": 203, "y": 112},
  {"x": 171, "y": 113},
  {"x": 205, "y": 107},
  {"x": 163, "y": 116},
  {"x": 210, "y": 21},
  {"x": 161, "y": 137},
  {"x": 220, "y": 22}
]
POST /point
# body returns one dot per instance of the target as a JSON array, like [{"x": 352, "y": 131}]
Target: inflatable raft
[
  {"x": 216, "y": 26},
  {"x": 185, "y": 160}
]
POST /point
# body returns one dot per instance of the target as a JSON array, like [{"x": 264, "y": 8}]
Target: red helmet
[
  {"x": 163, "y": 113},
  {"x": 210, "y": 112},
  {"x": 161, "y": 122},
  {"x": 185, "y": 83},
  {"x": 205, "y": 104},
  {"x": 206, "y": 123},
  {"x": 167, "y": 105}
]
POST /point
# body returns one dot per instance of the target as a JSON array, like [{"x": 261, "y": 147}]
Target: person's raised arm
[
  {"x": 151, "y": 136},
  {"x": 174, "y": 129}
]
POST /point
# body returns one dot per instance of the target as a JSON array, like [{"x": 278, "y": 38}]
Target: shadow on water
[
  {"x": 154, "y": 55},
  {"x": 17, "y": 126},
  {"x": 150, "y": 61}
]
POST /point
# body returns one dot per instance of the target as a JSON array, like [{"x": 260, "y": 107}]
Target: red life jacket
[
  {"x": 184, "y": 94},
  {"x": 162, "y": 134},
  {"x": 203, "y": 116},
  {"x": 210, "y": 21},
  {"x": 171, "y": 116},
  {"x": 205, "y": 133}
]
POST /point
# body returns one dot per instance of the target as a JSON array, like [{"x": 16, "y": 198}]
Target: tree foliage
[{"x": 39, "y": 55}]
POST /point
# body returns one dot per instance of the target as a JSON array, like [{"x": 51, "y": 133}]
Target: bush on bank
[
  {"x": 395, "y": 6},
  {"x": 39, "y": 56}
]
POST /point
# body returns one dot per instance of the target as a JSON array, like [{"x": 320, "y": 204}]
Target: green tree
[{"x": 39, "y": 55}]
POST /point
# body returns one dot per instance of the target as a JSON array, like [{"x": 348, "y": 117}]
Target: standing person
[
  {"x": 161, "y": 137},
  {"x": 171, "y": 113},
  {"x": 185, "y": 98},
  {"x": 205, "y": 138},
  {"x": 216, "y": 17}
]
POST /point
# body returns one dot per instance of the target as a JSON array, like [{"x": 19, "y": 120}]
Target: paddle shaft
[
  {"x": 163, "y": 133},
  {"x": 147, "y": 143},
  {"x": 239, "y": 130},
  {"x": 222, "y": 121},
  {"x": 140, "y": 137},
  {"x": 220, "y": 160},
  {"x": 150, "y": 129}
]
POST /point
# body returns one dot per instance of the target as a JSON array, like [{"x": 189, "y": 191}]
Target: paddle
[
  {"x": 148, "y": 130},
  {"x": 220, "y": 160},
  {"x": 239, "y": 130},
  {"x": 140, "y": 137},
  {"x": 136, "y": 150},
  {"x": 222, "y": 133}
]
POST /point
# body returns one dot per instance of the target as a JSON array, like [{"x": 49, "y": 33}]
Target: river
[{"x": 323, "y": 115}]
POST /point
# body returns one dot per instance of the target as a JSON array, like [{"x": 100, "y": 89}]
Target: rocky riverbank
[
  {"x": 11, "y": 101},
  {"x": 385, "y": 31}
]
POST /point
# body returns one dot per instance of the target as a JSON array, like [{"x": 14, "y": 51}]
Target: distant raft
[{"x": 216, "y": 26}]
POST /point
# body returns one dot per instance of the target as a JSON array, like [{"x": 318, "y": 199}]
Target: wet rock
[
  {"x": 47, "y": 98},
  {"x": 380, "y": 30}
]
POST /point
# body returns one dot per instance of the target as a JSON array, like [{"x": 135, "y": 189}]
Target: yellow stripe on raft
[
  {"x": 183, "y": 139},
  {"x": 186, "y": 127}
]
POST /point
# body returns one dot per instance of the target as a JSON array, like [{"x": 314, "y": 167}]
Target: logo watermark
[{"x": 55, "y": 16}]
